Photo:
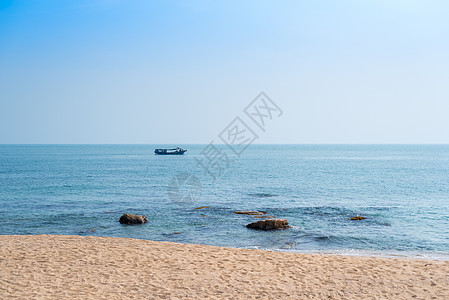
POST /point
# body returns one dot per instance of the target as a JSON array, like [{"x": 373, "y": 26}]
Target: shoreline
[
  {"x": 87, "y": 267},
  {"x": 418, "y": 255}
]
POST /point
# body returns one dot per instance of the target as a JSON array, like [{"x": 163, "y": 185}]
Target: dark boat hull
[{"x": 164, "y": 152}]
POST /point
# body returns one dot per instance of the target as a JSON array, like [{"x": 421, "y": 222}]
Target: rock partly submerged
[
  {"x": 250, "y": 212},
  {"x": 358, "y": 218},
  {"x": 133, "y": 219},
  {"x": 269, "y": 224},
  {"x": 265, "y": 217}
]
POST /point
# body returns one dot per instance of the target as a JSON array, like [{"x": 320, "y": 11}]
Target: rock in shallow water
[
  {"x": 358, "y": 218},
  {"x": 201, "y": 207},
  {"x": 250, "y": 212},
  {"x": 269, "y": 224},
  {"x": 132, "y": 219}
]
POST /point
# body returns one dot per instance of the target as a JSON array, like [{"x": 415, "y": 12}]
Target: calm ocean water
[{"x": 402, "y": 190}]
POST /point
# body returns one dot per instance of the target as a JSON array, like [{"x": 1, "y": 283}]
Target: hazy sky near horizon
[{"x": 176, "y": 72}]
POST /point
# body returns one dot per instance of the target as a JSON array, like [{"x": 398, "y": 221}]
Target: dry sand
[{"x": 74, "y": 267}]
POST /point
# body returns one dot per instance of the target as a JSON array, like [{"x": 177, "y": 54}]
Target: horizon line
[{"x": 113, "y": 144}]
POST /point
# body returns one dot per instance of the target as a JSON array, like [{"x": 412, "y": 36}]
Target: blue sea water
[{"x": 402, "y": 190}]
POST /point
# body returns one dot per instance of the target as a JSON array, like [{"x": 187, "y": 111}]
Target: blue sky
[{"x": 174, "y": 72}]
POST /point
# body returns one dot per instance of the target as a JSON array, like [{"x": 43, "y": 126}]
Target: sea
[{"x": 401, "y": 190}]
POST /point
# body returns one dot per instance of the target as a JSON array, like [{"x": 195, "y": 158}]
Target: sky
[{"x": 178, "y": 72}]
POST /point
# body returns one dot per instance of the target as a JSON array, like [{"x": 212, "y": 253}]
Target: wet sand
[{"x": 74, "y": 267}]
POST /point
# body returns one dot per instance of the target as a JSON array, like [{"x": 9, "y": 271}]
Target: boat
[{"x": 173, "y": 151}]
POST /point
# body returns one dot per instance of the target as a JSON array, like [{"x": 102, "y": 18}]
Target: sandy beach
[{"x": 75, "y": 267}]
